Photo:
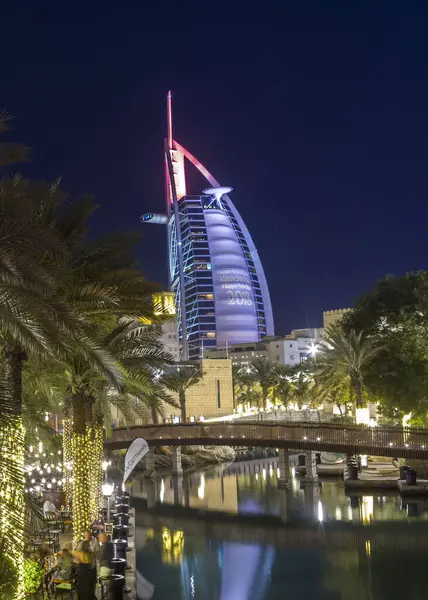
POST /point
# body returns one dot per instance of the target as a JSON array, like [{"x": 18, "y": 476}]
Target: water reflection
[
  {"x": 189, "y": 555},
  {"x": 219, "y": 490}
]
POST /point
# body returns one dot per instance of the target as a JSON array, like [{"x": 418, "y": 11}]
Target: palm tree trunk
[
  {"x": 66, "y": 448},
  {"x": 182, "y": 400},
  {"x": 12, "y": 507},
  {"x": 352, "y": 397},
  {"x": 81, "y": 494},
  {"x": 94, "y": 436},
  {"x": 358, "y": 387},
  {"x": 265, "y": 395},
  {"x": 155, "y": 415}
]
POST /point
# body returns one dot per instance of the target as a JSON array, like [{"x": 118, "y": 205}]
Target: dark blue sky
[{"x": 316, "y": 112}]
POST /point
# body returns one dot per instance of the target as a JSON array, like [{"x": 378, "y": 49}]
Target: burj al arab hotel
[{"x": 221, "y": 293}]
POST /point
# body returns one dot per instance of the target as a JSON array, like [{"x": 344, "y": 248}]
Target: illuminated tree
[
  {"x": 267, "y": 375},
  {"x": 395, "y": 311},
  {"x": 343, "y": 359},
  {"x": 284, "y": 387},
  {"x": 32, "y": 322},
  {"x": 244, "y": 379},
  {"x": 179, "y": 379},
  {"x": 112, "y": 300}
]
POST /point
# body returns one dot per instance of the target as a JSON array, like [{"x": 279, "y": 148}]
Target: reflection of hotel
[{"x": 221, "y": 291}]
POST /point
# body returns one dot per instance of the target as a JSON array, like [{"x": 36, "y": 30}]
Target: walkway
[{"x": 380, "y": 441}]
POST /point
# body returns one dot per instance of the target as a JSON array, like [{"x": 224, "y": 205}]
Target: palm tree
[
  {"x": 283, "y": 391},
  {"x": 32, "y": 324},
  {"x": 111, "y": 298},
  {"x": 266, "y": 373},
  {"x": 252, "y": 396},
  {"x": 302, "y": 387},
  {"x": 179, "y": 379},
  {"x": 244, "y": 378},
  {"x": 343, "y": 357},
  {"x": 284, "y": 387},
  {"x": 10, "y": 152}
]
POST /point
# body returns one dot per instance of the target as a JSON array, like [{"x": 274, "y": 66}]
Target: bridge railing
[{"x": 397, "y": 441}]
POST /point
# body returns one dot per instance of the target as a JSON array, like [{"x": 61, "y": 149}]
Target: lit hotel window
[
  {"x": 210, "y": 334},
  {"x": 203, "y": 266},
  {"x": 206, "y": 296}
]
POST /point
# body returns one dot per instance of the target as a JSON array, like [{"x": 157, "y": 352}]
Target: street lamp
[{"x": 107, "y": 492}]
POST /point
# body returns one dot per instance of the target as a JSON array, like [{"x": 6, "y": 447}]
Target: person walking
[
  {"x": 106, "y": 555},
  {"x": 87, "y": 572}
]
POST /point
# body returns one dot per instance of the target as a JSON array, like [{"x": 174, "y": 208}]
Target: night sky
[{"x": 315, "y": 112}]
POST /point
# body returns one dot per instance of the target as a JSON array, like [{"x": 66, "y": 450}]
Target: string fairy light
[
  {"x": 12, "y": 498},
  {"x": 81, "y": 493},
  {"x": 95, "y": 474},
  {"x": 67, "y": 457}
]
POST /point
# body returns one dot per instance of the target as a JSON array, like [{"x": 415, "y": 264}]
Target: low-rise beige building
[{"x": 212, "y": 396}]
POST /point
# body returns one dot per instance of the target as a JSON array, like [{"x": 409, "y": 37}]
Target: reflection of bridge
[
  {"x": 271, "y": 531},
  {"x": 385, "y": 441}
]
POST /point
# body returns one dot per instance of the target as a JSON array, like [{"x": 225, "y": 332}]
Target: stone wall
[
  {"x": 212, "y": 396},
  {"x": 332, "y": 317}
]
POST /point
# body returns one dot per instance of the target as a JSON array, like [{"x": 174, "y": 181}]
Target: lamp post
[{"x": 108, "y": 488}]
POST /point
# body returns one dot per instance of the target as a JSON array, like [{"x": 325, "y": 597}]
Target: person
[
  {"x": 86, "y": 573},
  {"x": 62, "y": 567},
  {"x": 49, "y": 507},
  {"x": 93, "y": 544},
  {"x": 106, "y": 555}
]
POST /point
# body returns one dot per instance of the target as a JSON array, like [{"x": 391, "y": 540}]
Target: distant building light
[{"x": 156, "y": 219}]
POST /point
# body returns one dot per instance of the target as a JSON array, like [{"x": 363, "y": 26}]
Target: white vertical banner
[{"x": 134, "y": 454}]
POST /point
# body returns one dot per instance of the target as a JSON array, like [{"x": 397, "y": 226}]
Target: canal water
[{"x": 229, "y": 533}]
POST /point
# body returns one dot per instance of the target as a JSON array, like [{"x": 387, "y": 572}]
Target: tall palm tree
[
  {"x": 179, "y": 379},
  {"x": 266, "y": 373},
  {"x": 112, "y": 299},
  {"x": 343, "y": 357},
  {"x": 32, "y": 324}
]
